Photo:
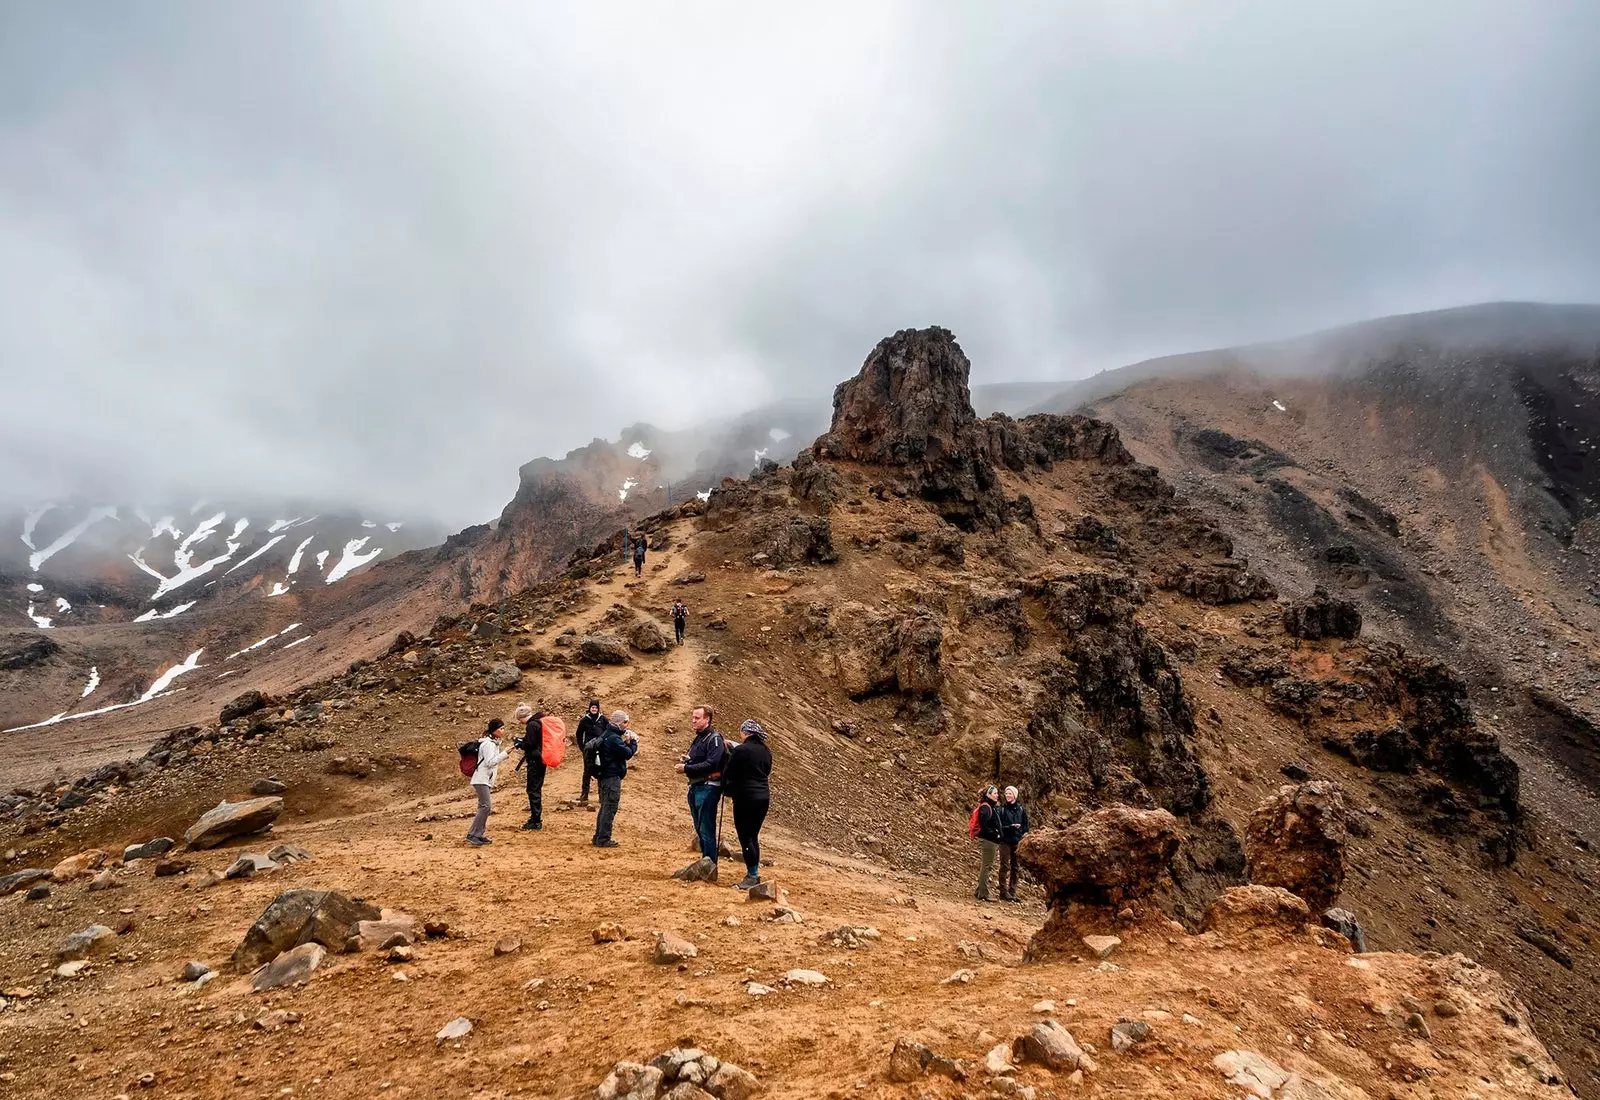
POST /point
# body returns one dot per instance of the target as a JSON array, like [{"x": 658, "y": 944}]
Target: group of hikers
[
  {"x": 998, "y": 823},
  {"x": 714, "y": 770}
]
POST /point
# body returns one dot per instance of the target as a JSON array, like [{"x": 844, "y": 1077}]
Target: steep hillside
[{"x": 923, "y": 600}]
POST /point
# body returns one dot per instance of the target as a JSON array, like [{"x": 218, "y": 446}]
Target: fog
[{"x": 386, "y": 252}]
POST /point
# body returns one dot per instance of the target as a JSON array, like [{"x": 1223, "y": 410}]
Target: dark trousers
[
  {"x": 610, "y": 799},
  {"x": 1008, "y": 870},
  {"x": 588, "y": 774},
  {"x": 536, "y": 772},
  {"x": 748, "y": 814},
  {"x": 677, "y": 626},
  {"x": 703, "y": 801},
  {"x": 638, "y": 566}
]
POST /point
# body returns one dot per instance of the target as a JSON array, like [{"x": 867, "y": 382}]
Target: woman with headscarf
[
  {"x": 491, "y": 754},
  {"x": 744, "y": 780}
]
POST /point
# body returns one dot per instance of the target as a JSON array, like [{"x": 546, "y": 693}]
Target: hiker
[
  {"x": 611, "y": 750},
  {"x": 744, "y": 780},
  {"x": 702, "y": 766},
  {"x": 532, "y": 745},
  {"x": 491, "y": 754},
  {"x": 591, "y": 725},
  {"x": 1013, "y": 827},
  {"x": 985, "y": 827},
  {"x": 680, "y": 619},
  {"x": 638, "y": 557}
]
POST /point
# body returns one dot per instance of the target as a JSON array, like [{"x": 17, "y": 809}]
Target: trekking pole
[{"x": 721, "y": 805}]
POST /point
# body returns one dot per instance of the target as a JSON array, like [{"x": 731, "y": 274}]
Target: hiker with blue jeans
[{"x": 702, "y": 766}]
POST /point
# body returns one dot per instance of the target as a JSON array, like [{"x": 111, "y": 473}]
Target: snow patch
[
  {"x": 165, "y": 526},
  {"x": 762, "y": 453},
  {"x": 263, "y": 641},
  {"x": 30, "y": 521},
  {"x": 1278, "y": 405},
  {"x": 627, "y": 486},
  {"x": 65, "y": 717},
  {"x": 368, "y": 523},
  {"x": 273, "y": 541},
  {"x": 352, "y": 559},
  {"x": 35, "y": 588},
  {"x": 281, "y": 524},
  {"x": 703, "y": 496},
  {"x": 278, "y": 589},
  {"x": 39, "y": 557},
  {"x": 297, "y": 641},
  {"x": 294, "y": 562},
  {"x": 62, "y": 605},
  {"x": 183, "y": 556},
  {"x": 94, "y": 682},
  {"x": 394, "y": 526},
  {"x": 638, "y": 450},
  {"x": 40, "y": 621},
  {"x": 164, "y": 681},
  {"x": 322, "y": 560},
  {"x": 153, "y": 614},
  {"x": 777, "y": 435}
]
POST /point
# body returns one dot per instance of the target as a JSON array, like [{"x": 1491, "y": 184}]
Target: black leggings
[{"x": 748, "y": 814}]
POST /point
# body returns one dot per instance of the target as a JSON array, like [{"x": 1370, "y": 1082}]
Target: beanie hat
[
  {"x": 524, "y": 712},
  {"x": 753, "y": 728}
]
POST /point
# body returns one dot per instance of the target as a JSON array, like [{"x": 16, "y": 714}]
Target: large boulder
[
  {"x": 21, "y": 880},
  {"x": 242, "y": 705},
  {"x": 1103, "y": 858},
  {"x": 603, "y": 649},
  {"x": 1241, "y": 909},
  {"x": 298, "y": 917},
  {"x": 231, "y": 819},
  {"x": 872, "y": 652},
  {"x": 647, "y": 637},
  {"x": 1322, "y": 616},
  {"x": 80, "y": 945},
  {"x": 502, "y": 677},
  {"x": 81, "y": 865},
  {"x": 1296, "y": 840}
]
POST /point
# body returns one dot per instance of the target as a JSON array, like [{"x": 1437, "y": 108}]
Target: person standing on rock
[
  {"x": 1013, "y": 827},
  {"x": 532, "y": 745},
  {"x": 680, "y": 619},
  {"x": 590, "y": 726},
  {"x": 702, "y": 766},
  {"x": 616, "y": 747},
  {"x": 491, "y": 754},
  {"x": 985, "y": 826},
  {"x": 745, "y": 781}
]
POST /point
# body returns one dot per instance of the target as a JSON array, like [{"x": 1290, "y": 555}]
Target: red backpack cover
[
  {"x": 972, "y": 822},
  {"x": 553, "y": 741}
]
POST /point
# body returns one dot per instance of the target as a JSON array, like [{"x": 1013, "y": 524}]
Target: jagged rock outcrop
[
  {"x": 1219, "y": 583},
  {"x": 791, "y": 538},
  {"x": 872, "y": 652},
  {"x": 1296, "y": 840},
  {"x": 1322, "y": 616}
]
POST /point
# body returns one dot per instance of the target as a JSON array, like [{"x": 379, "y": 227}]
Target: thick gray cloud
[{"x": 386, "y": 252}]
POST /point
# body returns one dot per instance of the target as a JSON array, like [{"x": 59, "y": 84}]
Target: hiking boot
[
  {"x": 530, "y": 824},
  {"x": 747, "y": 882},
  {"x": 606, "y": 844},
  {"x": 477, "y": 841}
]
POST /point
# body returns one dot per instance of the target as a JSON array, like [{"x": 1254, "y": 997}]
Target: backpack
[
  {"x": 972, "y": 822},
  {"x": 469, "y": 757},
  {"x": 553, "y": 741}
]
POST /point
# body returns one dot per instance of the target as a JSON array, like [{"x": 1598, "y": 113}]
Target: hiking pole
[{"x": 721, "y": 804}]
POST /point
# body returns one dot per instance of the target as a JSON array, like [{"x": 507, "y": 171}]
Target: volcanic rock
[
  {"x": 297, "y": 917},
  {"x": 647, "y": 636},
  {"x": 1105, "y": 857},
  {"x": 22, "y": 650},
  {"x": 1242, "y": 909},
  {"x": 1296, "y": 840},
  {"x": 79, "y": 866},
  {"x": 1322, "y": 616},
  {"x": 1345, "y": 923},
  {"x": 160, "y": 846},
  {"x": 241, "y": 705},
  {"x": 18, "y": 880},
  {"x": 294, "y": 965},
  {"x": 1048, "y": 1044},
  {"x": 603, "y": 649},
  {"x": 502, "y": 677},
  {"x": 231, "y": 819}
]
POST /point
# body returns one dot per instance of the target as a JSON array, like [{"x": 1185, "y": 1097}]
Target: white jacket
[{"x": 490, "y": 756}]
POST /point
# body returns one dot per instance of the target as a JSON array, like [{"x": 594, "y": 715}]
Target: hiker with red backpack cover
[
  {"x": 984, "y": 826},
  {"x": 543, "y": 745},
  {"x": 484, "y": 759}
]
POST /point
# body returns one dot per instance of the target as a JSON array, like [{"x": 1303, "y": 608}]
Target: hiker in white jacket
[{"x": 491, "y": 754}]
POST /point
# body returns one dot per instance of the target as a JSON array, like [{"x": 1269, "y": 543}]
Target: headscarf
[{"x": 751, "y": 728}]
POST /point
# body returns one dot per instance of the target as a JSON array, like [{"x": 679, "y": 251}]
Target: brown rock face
[
  {"x": 1103, "y": 858},
  {"x": 873, "y": 652},
  {"x": 1243, "y": 909},
  {"x": 1296, "y": 840},
  {"x": 1322, "y": 616}
]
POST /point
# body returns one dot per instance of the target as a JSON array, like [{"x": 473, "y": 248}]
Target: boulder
[
  {"x": 603, "y": 649},
  {"x": 1345, "y": 923},
  {"x": 194, "y": 970},
  {"x": 647, "y": 636},
  {"x": 19, "y": 880},
  {"x": 160, "y": 846},
  {"x": 1322, "y": 616},
  {"x": 80, "y": 945},
  {"x": 608, "y": 932},
  {"x": 765, "y": 891},
  {"x": 294, "y": 965},
  {"x": 39, "y": 891},
  {"x": 1048, "y": 1044},
  {"x": 1129, "y": 1034},
  {"x": 731, "y": 1082},
  {"x": 1104, "y": 858},
  {"x": 105, "y": 880},
  {"x": 1101, "y": 947},
  {"x": 630, "y": 1081},
  {"x": 81, "y": 865},
  {"x": 703, "y": 869},
  {"x": 1241, "y": 909},
  {"x": 241, "y": 705},
  {"x": 908, "y": 1060},
  {"x": 672, "y": 949},
  {"x": 231, "y": 819},
  {"x": 391, "y": 930},
  {"x": 298, "y": 917},
  {"x": 165, "y": 868},
  {"x": 502, "y": 677},
  {"x": 1296, "y": 840},
  {"x": 287, "y": 853},
  {"x": 263, "y": 787}
]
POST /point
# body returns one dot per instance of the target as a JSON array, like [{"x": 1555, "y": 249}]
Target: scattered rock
[
  {"x": 502, "y": 677},
  {"x": 166, "y": 868},
  {"x": 908, "y": 1060},
  {"x": 608, "y": 932},
  {"x": 630, "y": 1081},
  {"x": 703, "y": 869},
  {"x": 105, "y": 880},
  {"x": 782, "y": 914},
  {"x": 79, "y": 866},
  {"x": 805, "y": 977},
  {"x": 17, "y": 880},
  {"x": 1101, "y": 947},
  {"x": 263, "y": 787},
  {"x": 392, "y": 929},
  {"x": 1251, "y": 1072},
  {"x": 247, "y": 865},
  {"x": 1241, "y": 909},
  {"x": 37, "y": 892},
  {"x": 961, "y": 977},
  {"x": 459, "y": 1028},
  {"x": 1418, "y": 1026},
  {"x": 1296, "y": 772},
  {"x": 274, "y": 1020},
  {"x": 672, "y": 949},
  {"x": 435, "y": 929},
  {"x": 603, "y": 649},
  {"x": 294, "y": 965},
  {"x": 70, "y": 969},
  {"x": 1048, "y": 1044},
  {"x": 150, "y": 849},
  {"x": 849, "y": 936},
  {"x": 997, "y": 1063},
  {"x": 1546, "y": 943},
  {"x": 299, "y": 917},
  {"x": 1296, "y": 840},
  {"x": 80, "y": 945},
  {"x": 287, "y": 853},
  {"x": 1322, "y": 616},
  {"x": 1445, "y": 1009},
  {"x": 764, "y": 891},
  {"x": 231, "y": 819},
  {"x": 507, "y": 945},
  {"x": 756, "y": 989},
  {"x": 242, "y": 705},
  {"x": 1129, "y": 1034},
  {"x": 194, "y": 970},
  {"x": 1345, "y": 923},
  {"x": 647, "y": 636}
]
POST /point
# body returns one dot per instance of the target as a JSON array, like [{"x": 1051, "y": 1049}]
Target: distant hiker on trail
[
  {"x": 491, "y": 754},
  {"x": 702, "y": 766},
  {"x": 532, "y": 745},
  {"x": 591, "y": 725},
  {"x": 984, "y": 826},
  {"x": 680, "y": 618},
  {"x": 1013, "y": 827},
  {"x": 744, "y": 779},
  {"x": 611, "y": 751},
  {"x": 638, "y": 557}
]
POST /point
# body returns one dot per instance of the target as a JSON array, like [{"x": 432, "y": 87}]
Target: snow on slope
[
  {"x": 66, "y": 538},
  {"x": 352, "y": 559}
]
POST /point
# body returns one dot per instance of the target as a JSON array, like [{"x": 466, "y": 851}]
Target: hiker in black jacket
[
  {"x": 588, "y": 726},
  {"x": 616, "y": 746},
  {"x": 702, "y": 766},
  {"x": 990, "y": 835},
  {"x": 638, "y": 556},
  {"x": 532, "y": 745},
  {"x": 744, "y": 780},
  {"x": 1013, "y": 827},
  {"x": 680, "y": 618}
]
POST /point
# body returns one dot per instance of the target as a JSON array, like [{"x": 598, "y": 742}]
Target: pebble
[
  {"x": 960, "y": 976},
  {"x": 805, "y": 977},
  {"x": 458, "y": 1028},
  {"x": 507, "y": 945},
  {"x": 1045, "y": 1006}
]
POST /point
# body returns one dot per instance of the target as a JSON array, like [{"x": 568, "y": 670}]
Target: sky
[{"x": 385, "y": 252}]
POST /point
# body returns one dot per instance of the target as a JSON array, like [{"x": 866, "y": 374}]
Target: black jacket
[
  {"x": 614, "y": 753},
  {"x": 744, "y": 776},
  {"x": 706, "y": 757},
  {"x": 1013, "y": 821},
  {"x": 989, "y": 822},
  {"x": 588, "y": 726},
  {"x": 532, "y": 745},
  {"x": 679, "y": 612}
]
